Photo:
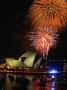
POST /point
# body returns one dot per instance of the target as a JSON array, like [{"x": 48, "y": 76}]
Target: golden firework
[{"x": 48, "y": 13}]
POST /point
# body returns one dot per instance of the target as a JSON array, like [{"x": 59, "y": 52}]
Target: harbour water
[{"x": 20, "y": 82}]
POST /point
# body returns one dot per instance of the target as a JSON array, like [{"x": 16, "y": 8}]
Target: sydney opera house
[{"x": 26, "y": 60}]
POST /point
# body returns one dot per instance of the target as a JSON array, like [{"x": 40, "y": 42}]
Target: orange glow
[{"x": 48, "y": 13}]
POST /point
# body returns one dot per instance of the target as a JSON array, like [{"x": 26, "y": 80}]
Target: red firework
[
  {"x": 48, "y": 13},
  {"x": 42, "y": 40}
]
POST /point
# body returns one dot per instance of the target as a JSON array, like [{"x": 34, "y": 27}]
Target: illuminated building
[{"x": 26, "y": 60}]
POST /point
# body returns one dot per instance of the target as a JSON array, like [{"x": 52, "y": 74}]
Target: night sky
[{"x": 14, "y": 25}]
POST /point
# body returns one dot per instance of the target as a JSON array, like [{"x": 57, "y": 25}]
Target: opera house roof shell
[{"x": 26, "y": 60}]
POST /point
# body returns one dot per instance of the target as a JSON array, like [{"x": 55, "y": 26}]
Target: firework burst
[
  {"x": 48, "y": 13},
  {"x": 42, "y": 40}
]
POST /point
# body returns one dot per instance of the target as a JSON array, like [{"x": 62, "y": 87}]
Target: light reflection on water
[
  {"x": 53, "y": 85},
  {"x": 52, "y": 88},
  {"x": 19, "y": 82}
]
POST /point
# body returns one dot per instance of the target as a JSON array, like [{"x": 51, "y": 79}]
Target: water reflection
[
  {"x": 53, "y": 85},
  {"x": 52, "y": 88},
  {"x": 10, "y": 82},
  {"x": 20, "y": 82}
]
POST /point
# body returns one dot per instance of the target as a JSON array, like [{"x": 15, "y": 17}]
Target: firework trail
[
  {"x": 42, "y": 40},
  {"x": 48, "y": 13}
]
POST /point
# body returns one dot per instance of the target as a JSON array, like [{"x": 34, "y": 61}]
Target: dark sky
[{"x": 13, "y": 27}]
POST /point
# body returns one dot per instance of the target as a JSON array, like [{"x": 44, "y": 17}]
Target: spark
[
  {"x": 42, "y": 40},
  {"x": 48, "y": 13}
]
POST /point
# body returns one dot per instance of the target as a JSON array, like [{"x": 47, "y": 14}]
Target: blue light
[
  {"x": 53, "y": 76},
  {"x": 52, "y": 71},
  {"x": 53, "y": 85},
  {"x": 53, "y": 88}
]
